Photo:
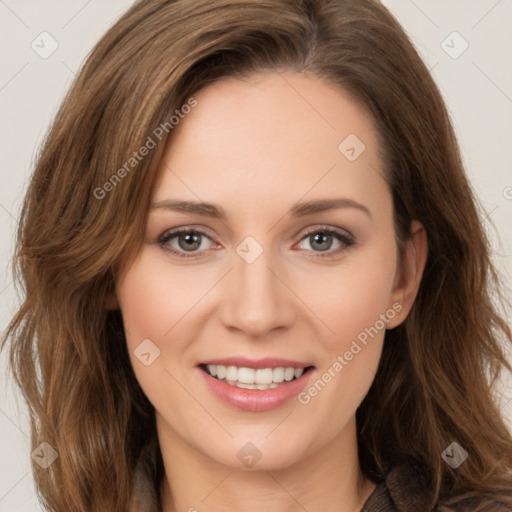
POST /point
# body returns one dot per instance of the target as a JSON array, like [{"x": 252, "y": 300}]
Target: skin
[{"x": 255, "y": 147}]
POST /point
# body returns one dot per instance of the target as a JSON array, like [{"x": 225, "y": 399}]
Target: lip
[
  {"x": 256, "y": 400},
  {"x": 266, "y": 362}
]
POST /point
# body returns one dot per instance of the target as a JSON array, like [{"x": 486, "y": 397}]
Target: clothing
[{"x": 404, "y": 488}]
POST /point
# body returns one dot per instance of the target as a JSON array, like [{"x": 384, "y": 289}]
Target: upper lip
[{"x": 266, "y": 362}]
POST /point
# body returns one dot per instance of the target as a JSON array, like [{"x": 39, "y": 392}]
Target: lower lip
[{"x": 256, "y": 400}]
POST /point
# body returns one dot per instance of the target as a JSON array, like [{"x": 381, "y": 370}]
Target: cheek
[
  {"x": 158, "y": 304},
  {"x": 346, "y": 298},
  {"x": 354, "y": 295},
  {"x": 151, "y": 309},
  {"x": 152, "y": 301},
  {"x": 352, "y": 351}
]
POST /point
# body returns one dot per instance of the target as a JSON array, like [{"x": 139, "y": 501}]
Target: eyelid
[
  {"x": 172, "y": 233},
  {"x": 342, "y": 235}
]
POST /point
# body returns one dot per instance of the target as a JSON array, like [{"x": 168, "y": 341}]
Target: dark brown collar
[{"x": 404, "y": 489}]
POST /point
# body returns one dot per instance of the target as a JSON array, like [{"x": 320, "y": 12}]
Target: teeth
[
  {"x": 249, "y": 378},
  {"x": 264, "y": 376},
  {"x": 231, "y": 373},
  {"x": 278, "y": 374},
  {"x": 246, "y": 375},
  {"x": 220, "y": 370},
  {"x": 289, "y": 373}
]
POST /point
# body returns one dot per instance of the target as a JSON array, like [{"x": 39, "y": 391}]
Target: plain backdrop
[{"x": 466, "y": 44}]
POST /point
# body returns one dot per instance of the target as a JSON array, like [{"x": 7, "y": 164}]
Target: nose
[{"x": 256, "y": 298}]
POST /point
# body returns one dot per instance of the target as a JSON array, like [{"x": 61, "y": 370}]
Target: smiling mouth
[{"x": 250, "y": 378}]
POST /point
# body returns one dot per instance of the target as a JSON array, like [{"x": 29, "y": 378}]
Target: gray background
[{"x": 476, "y": 84}]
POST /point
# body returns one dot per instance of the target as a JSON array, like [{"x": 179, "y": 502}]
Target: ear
[{"x": 408, "y": 276}]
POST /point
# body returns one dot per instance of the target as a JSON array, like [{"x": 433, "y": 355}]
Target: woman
[{"x": 194, "y": 351}]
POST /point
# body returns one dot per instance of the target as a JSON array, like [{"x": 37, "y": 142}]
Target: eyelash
[{"x": 345, "y": 238}]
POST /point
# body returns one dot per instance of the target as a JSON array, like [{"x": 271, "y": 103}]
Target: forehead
[{"x": 275, "y": 137}]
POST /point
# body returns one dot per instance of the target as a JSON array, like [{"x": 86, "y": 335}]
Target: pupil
[
  {"x": 322, "y": 235},
  {"x": 193, "y": 238}
]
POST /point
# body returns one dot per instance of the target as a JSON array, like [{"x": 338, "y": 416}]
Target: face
[{"x": 269, "y": 278}]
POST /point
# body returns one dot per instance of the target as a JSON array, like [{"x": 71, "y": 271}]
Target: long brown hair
[{"x": 68, "y": 352}]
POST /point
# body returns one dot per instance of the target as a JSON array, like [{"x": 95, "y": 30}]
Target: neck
[{"x": 328, "y": 480}]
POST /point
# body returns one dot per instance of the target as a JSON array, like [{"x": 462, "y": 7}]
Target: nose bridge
[{"x": 259, "y": 301}]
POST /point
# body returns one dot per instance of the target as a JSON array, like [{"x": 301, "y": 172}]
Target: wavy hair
[{"x": 68, "y": 352}]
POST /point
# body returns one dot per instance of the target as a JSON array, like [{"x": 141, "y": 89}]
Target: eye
[
  {"x": 322, "y": 239},
  {"x": 188, "y": 240}
]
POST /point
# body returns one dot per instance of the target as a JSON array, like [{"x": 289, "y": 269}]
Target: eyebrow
[{"x": 297, "y": 210}]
